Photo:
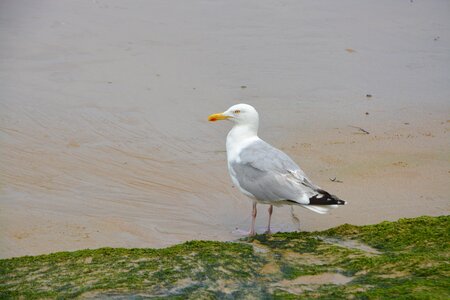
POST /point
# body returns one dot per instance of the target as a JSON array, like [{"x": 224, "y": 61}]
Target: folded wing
[{"x": 271, "y": 176}]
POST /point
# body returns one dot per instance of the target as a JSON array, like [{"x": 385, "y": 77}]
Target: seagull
[{"x": 264, "y": 173}]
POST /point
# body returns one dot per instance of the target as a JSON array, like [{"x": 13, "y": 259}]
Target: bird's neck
[{"x": 239, "y": 136}]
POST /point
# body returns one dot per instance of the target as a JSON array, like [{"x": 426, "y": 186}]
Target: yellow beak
[{"x": 216, "y": 117}]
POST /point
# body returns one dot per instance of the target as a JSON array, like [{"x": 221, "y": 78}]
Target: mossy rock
[{"x": 407, "y": 259}]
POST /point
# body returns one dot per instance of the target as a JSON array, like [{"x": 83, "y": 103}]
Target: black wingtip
[
  {"x": 341, "y": 202},
  {"x": 324, "y": 198}
]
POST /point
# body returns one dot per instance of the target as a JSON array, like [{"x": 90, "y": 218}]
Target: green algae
[{"x": 407, "y": 259}]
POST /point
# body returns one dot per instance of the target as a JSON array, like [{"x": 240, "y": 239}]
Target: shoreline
[{"x": 399, "y": 161}]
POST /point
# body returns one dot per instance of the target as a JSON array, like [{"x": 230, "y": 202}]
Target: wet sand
[{"x": 103, "y": 106}]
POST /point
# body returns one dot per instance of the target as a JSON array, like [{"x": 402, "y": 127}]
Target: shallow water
[
  {"x": 351, "y": 244},
  {"x": 104, "y": 139}
]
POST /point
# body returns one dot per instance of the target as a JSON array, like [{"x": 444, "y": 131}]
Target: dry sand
[{"x": 103, "y": 131}]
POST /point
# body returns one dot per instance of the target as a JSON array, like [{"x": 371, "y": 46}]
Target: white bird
[{"x": 264, "y": 173}]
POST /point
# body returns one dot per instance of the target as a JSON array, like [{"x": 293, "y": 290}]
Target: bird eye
[{"x": 237, "y": 111}]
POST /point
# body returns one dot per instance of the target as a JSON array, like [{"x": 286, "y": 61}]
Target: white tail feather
[{"x": 320, "y": 209}]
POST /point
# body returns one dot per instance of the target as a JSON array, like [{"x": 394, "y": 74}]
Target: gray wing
[{"x": 270, "y": 175}]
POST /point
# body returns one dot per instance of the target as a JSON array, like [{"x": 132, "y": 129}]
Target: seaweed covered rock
[{"x": 404, "y": 259}]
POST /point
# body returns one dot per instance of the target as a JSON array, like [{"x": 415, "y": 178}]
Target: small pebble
[{"x": 369, "y": 96}]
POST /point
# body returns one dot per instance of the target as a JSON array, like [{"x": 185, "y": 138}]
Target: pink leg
[
  {"x": 252, "y": 230},
  {"x": 270, "y": 216}
]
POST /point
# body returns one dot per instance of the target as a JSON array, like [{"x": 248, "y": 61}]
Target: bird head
[{"x": 242, "y": 114}]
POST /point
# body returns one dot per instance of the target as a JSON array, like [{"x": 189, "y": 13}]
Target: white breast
[{"x": 236, "y": 141}]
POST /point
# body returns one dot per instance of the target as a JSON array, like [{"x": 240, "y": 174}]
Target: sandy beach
[{"x": 104, "y": 139}]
